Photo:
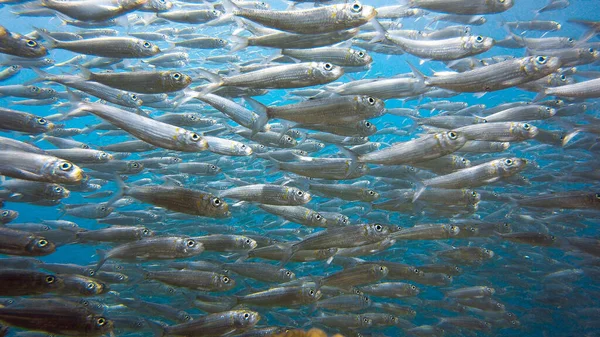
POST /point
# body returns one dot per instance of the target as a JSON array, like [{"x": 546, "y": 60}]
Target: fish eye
[
  {"x": 58, "y": 189},
  {"x": 366, "y": 320},
  {"x": 216, "y": 202},
  {"x": 327, "y": 66},
  {"x": 214, "y": 12},
  {"x": 508, "y": 162},
  {"x": 146, "y": 231},
  {"x": 541, "y": 59},
  {"x": 103, "y": 208},
  {"x": 371, "y": 100},
  {"x": 552, "y": 237},
  {"x": 31, "y": 43},
  {"x": 416, "y": 271},
  {"x": 15, "y": 67},
  {"x": 288, "y": 138},
  {"x": 177, "y": 76},
  {"x": 597, "y": 195},
  {"x": 344, "y": 221},
  {"x": 570, "y": 39},
  {"x": 50, "y": 279},
  {"x": 479, "y": 39},
  {"x": 135, "y": 165},
  {"x": 300, "y": 193},
  {"x": 34, "y": 89},
  {"x": 288, "y": 273},
  {"x": 318, "y": 217},
  {"x": 413, "y": 287},
  {"x": 464, "y": 160},
  {"x": 356, "y": 7},
  {"x": 368, "y": 124},
  {"x": 526, "y": 126},
  {"x": 311, "y": 292},
  {"x": 147, "y": 44},
  {"x": 381, "y": 268},
  {"x": 371, "y": 192},
  {"x": 213, "y": 167},
  {"x": 42, "y": 243},
  {"x": 101, "y": 321},
  {"x": 562, "y": 78},
  {"x": 378, "y": 227},
  {"x": 195, "y": 136},
  {"x": 243, "y": 146},
  {"x": 42, "y": 121},
  {"x": 225, "y": 279},
  {"x": 474, "y": 193},
  {"x": 361, "y": 54},
  {"x": 121, "y": 277},
  {"x": 246, "y": 316},
  {"x": 452, "y": 135},
  {"x": 5, "y": 213},
  {"x": 90, "y": 286},
  {"x": 190, "y": 243},
  {"x": 221, "y": 41},
  {"x": 65, "y": 166}
]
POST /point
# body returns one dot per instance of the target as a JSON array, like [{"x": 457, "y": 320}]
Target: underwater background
[{"x": 549, "y": 290}]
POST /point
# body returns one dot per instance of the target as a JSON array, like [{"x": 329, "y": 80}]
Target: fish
[{"x": 18, "y": 45}]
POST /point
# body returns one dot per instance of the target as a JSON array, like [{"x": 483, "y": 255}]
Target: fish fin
[
  {"x": 238, "y": 43},
  {"x": 52, "y": 42},
  {"x": 122, "y": 190},
  {"x": 569, "y": 136},
  {"x": 418, "y": 74},
  {"x": 102, "y": 254},
  {"x": 42, "y": 76},
  {"x": 381, "y": 32},
  {"x": 263, "y": 114},
  {"x": 215, "y": 79},
  {"x": 420, "y": 188},
  {"x": 540, "y": 96}
]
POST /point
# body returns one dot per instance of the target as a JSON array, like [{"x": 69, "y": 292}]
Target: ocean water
[{"x": 541, "y": 303}]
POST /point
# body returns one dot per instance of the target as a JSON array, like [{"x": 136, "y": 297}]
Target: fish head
[
  {"x": 245, "y": 318},
  {"x": 134, "y": 167},
  {"x": 370, "y": 104},
  {"x": 355, "y": 12},
  {"x": 242, "y": 149},
  {"x": 287, "y": 141},
  {"x": 146, "y": 233},
  {"x": 460, "y": 162},
  {"x": 481, "y": 43},
  {"x": 472, "y": 196},
  {"x": 286, "y": 274},
  {"x": 525, "y": 130},
  {"x": 55, "y": 191},
  {"x": 15, "y": 68},
  {"x": 451, "y": 140},
  {"x": 66, "y": 172},
  {"x": 189, "y": 247},
  {"x": 311, "y": 295},
  {"x": 379, "y": 271},
  {"x": 366, "y": 128},
  {"x": 318, "y": 220},
  {"x": 364, "y": 321},
  {"x": 218, "y": 207},
  {"x": 225, "y": 282},
  {"x": 325, "y": 72},
  {"x": 245, "y": 243},
  {"x": 99, "y": 325},
  {"x": 104, "y": 210},
  {"x": 194, "y": 141},
  {"x": 546, "y": 111},
  {"x": 8, "y": 215},
  {"x": 104, "y": 157},
  {"x": 214, "y": 169},
  {"x": 39, "y": 246},
  {"x": 147, "y": 48},
  {"x": 358, "y": 57},
  {"x": 30, "y": 48},
  {"x": 176, "y": 80},
  {"x": 370, "y": 195},
  {"x": 297, "y": 195}
]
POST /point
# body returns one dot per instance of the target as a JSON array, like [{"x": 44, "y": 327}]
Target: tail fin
[
  {"x": 122, "y": 191},
  {"x": 103, "y": 258},
  {"x": 419, "y": 190},
  {"x": 238, "y": 43},
  {"x": 52, "y": 42},
  {"x": 216, "y": 80},
  {"x": 263, "y": 114}
]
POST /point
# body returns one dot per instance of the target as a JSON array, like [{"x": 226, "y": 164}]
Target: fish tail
[
  {"x": 263, "y": 114},
  {"x": 418, "y": 74},
  {"x": 215, "y": 79},
  {"x": 419, "y": 190},
  {"x": 85, "y": 73},
  {"x": 122, "y": 190},
  {"x": 103, "y": 258},
  {"x": 238, "y": 43},
  {"x": 540, "y": 96},
  {"x": 570, "y": 136},
  {"x": 42, "y": 76},
  {"x": 381, "y": 32},
  {"x": 52, "y": 42}
]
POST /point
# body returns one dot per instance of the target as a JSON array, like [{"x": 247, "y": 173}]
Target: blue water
[{"x": 562, "y": 307}]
